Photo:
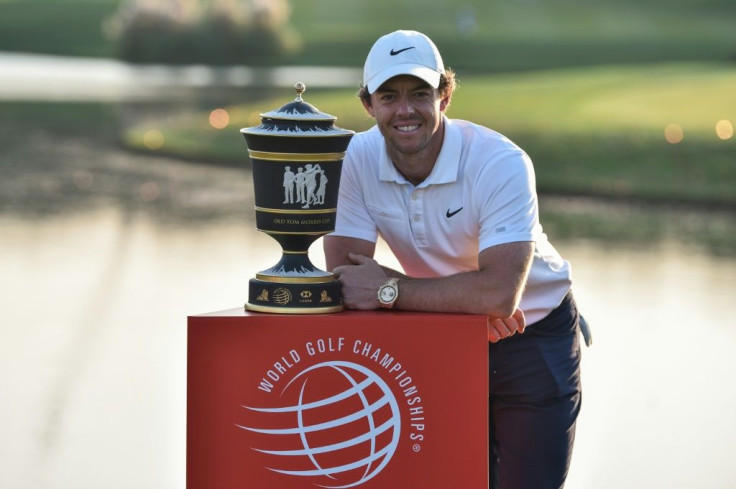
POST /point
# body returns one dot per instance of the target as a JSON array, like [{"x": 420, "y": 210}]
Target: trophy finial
[{"x": 300, "y": 88}]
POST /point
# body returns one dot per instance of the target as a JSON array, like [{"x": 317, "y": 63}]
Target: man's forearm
[
  {"x": 338, "y": 248},
  {"x": 468, "y": 292}
]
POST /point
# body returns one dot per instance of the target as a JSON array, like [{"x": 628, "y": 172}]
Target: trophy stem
[
  {"x": 295, "y": 268},
  {"x": 294, "y": 286}
]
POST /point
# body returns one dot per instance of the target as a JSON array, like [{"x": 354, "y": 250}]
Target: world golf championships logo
[{"x": 340, "y": 427}]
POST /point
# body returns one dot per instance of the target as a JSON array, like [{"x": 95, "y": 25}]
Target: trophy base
[{"x": 294, "y": 298}]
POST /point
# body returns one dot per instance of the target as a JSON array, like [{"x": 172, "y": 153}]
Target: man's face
[{"x": 408, "y": 113}]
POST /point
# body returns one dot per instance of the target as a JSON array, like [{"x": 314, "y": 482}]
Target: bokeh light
[
  {"x": 724, "y": 129},
  {"x": 153, "y": 139},
  {"x": 219, "y": 118},
  {"x": 673, "y": 133}
]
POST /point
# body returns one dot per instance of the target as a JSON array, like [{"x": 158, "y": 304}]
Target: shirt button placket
[{"x": 416, "y": 217}]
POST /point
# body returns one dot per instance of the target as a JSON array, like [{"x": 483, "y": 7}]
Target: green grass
[
  {"x": 63, "y": 27},
  {"x": 601, "y": 130},
  {"x": 619, "y": 224},
  {"x": 592, "y": 131},
  {"x": 508, "y": 36},
  {"x": 66, "y": 119},
  {"x": 528, "y": 34}
]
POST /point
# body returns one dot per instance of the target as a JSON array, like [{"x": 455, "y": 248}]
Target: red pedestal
[{"x": 357, "y": 399}]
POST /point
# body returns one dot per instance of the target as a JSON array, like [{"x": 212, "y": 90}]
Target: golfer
[{"x": 456, "y": 203}]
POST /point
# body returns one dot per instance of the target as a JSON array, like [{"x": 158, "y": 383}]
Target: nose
[{"x": 406, "y": 106}]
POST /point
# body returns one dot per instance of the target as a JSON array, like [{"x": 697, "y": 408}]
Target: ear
[
  {"x": 368, "y": 107},
  {"x": 445, "y": 102}
]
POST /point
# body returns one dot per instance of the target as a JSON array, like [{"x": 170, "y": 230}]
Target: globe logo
[
  {"x": 281, "y": 296},
  {"x": 340, "y": 428}
]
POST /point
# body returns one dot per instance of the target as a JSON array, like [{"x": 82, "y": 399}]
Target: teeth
[{"x": 407, "y": 128}]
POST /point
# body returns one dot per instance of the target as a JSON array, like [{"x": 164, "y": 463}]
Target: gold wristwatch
[{"x": 388, "y": 293}]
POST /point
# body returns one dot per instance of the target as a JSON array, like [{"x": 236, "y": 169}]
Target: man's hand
[
  {"x": 360, "y": 282},
  {"x": 499, "y": 329}
]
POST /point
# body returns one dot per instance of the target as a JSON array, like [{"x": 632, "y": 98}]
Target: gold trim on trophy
[
  {"x": 295, "y": 310},
  {"x": 296, "y": 211},
  {"x": 269, "y": 156},
  {"x": 295, "y": 280},
  {"x": 296, "y": 233}
]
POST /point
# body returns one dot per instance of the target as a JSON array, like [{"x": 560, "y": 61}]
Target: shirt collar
[{"x": 446, "y": 167}]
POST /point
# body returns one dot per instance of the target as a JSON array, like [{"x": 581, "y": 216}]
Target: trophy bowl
[{"x": 296, "y": 154}]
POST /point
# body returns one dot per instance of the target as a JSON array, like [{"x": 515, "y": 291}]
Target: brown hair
[{"x": 446, "y": 87}]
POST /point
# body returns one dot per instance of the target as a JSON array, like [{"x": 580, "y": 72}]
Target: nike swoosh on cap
[{"x": 394, "y": 53}]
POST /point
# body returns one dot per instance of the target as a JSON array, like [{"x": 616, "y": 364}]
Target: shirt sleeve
[
  {"x": 509, "y": 212},
  {"x": 353, "y": 219}
]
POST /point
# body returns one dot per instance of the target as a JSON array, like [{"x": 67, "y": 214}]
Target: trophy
[{"x": 297, "y": 154}]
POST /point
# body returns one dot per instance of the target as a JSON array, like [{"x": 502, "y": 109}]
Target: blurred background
[{"x": 126, "y": 205}]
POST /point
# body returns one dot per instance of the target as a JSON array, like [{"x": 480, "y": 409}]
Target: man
[
  {"x": 289, "y": 178},
  {"x": 457, "y": 205},
  {"x": 301, "y": 184}
]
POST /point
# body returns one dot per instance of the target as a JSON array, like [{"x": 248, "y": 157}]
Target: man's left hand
[{"x": 360, "y": 282}]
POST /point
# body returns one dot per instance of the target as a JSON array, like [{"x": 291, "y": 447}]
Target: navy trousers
[{"x": 535, "y": 398}]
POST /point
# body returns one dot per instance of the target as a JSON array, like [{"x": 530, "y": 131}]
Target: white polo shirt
[{"x": 481, "y": 193}]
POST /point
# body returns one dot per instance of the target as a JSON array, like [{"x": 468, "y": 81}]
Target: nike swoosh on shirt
[
  {"x": 394, "y": 53},
  {"x": 450, "y": 214}
]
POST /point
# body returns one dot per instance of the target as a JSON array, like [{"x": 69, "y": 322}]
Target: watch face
[{"x": 388, "y": 294}]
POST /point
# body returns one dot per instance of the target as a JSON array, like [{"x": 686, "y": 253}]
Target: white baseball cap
[{"x": 402, "y": 53}]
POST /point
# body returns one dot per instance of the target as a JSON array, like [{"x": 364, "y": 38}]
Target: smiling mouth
[{"x": 411, "y": 128}]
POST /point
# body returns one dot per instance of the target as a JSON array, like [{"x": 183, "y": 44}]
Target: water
[
  {"x": 65, "y": 78},
  {"x": 659, "y": 397},
  {"x": 93, "y": 351}
]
